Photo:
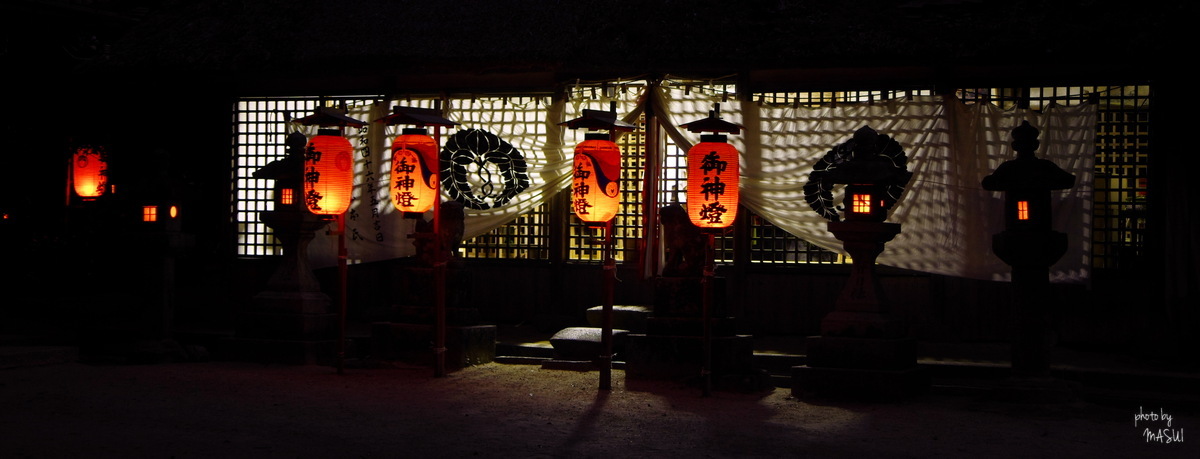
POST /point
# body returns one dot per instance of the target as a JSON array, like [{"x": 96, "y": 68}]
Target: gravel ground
[{"x": 222, "y": 409}]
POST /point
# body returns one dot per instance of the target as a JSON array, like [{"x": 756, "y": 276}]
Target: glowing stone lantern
[
  {"x": 712, "y": 180},
  {"x": 328, "y": 163},
  {"x": 89, "y": 171},
  {"x": 595, "y": 186},
  {"x": 1030, "y": 246}
]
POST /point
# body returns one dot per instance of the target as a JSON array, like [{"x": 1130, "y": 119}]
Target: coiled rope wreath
[{"x": 482, "y": 171}]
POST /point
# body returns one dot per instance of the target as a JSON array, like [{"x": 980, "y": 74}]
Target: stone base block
[
  {"x": 684, "y": 296},
  {"x": 584, "y": 343},
  {"x": 632, "y": 318},
  {"x": 1034, "y": 390},
  {"x": 285, "y": 326},
  {"x": 682, "y": 357},
  {"x": 683, "y": 326},
  {"x": 413, "y": 343},
  {"x": 861, "y": 353},
  {"x": 288, "y": 352},
  {"x": 858, "y": 384}
]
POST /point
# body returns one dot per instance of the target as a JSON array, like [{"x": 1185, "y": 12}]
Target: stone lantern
[
  {"x": 290, "y": 321},
  {"x": 863, "y": 350},
  {"x": 1029, "y": 245}
]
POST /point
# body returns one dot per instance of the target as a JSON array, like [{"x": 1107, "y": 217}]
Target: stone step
[
  {"x": 584, "y": 343},
  {"x": 33, "y": 356},
  {"x": 625, "y": 317}
]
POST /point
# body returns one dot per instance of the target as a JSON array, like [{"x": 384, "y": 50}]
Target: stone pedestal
[
  {"x": 672, "y": 346},
  {"x": 681, "y": 358},
  {"x": 863, "y": 351},
  {"x": 466, "y": 345},
  {"x": 292, "y": 320}
]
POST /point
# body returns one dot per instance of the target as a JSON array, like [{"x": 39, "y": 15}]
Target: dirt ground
[{"x": 222, "y": 409}]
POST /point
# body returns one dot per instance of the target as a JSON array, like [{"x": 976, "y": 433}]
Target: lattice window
[
  {"x": 259, "y": 134},
  {"x": 526, "y": 238}
]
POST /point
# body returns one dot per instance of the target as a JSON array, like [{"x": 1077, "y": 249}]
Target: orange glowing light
[
  {"x": 595, "y": 188},
  {"x": 414, "y": 171},
  {"x": 285, "y": 197},
  {"x": 861, "y": 204},
  {"x": 712, "y": 184},
  {"x": 1022, "y": 210},
  {"x": 89, "y": 172},
  {"x": 173, "y": 212},
  {"x": 149, "y": 213},
  {"x": 328, "y": 174}
]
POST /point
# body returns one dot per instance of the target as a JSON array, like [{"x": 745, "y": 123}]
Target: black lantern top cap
[
  {"x": 599, "y": 120},
  {"x": 329, "y": 116},
  {"x": 1027, "y": 171},
  {"x": 420, "y": 117},
  {"x": 713, "y": 123}
]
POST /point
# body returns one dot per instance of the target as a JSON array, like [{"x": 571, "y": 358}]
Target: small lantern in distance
[
  {"x": 89, "y": 171},
  {"x": 328, "y": 163},
  {"x": 712, "y": 180},
  {"x": 595, "y": 188}
]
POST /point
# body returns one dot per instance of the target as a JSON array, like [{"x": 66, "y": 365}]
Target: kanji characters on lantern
[
  {"x": 328, "y": 173},
  {"x": 414, "y": 171},
  {"x": 595, "y": 185},
  {"x": 90, "y": 171},
  {"x": 712, "y": 199}
]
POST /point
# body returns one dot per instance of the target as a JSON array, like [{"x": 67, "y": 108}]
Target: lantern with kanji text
[
  {"x": 415, "y": 161},
  {"x": 414, "y": 185},
  {"x": 89, "y": 171},
  {"x": 328, "y": 175},
  {"x": 595, "y": 183},
  {"x": 712, "y": 180}
]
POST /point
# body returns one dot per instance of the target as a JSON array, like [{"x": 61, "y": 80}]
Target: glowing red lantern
[
  {"x": 712, "y": 183},
  {"x": 90, "y": 172},
  {"x": 414, "y": 171},
  {"x": 712, "y": 180},
  {"x": 328, "y": 163},
  {"x": 595, "y": 188},
  {"x": 328, "y": 173}
]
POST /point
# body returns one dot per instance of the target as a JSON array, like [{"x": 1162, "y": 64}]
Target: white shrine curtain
[{"x": 947, "y": 218}]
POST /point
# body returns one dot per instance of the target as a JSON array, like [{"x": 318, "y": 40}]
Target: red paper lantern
[
  {"x": 414, "y": 171},
  {"x": 595, "y": 189},
  {"x": 90, "y": 172},
  {"x": 712, "y": 186},
  {"x": 328, "y": 173}
]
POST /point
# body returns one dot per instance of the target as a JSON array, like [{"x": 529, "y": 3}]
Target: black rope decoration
[
  {"x": 818, "y": 192},
  {"x": 497, "y": 167}
]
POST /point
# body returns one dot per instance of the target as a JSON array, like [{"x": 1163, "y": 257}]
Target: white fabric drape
[
  {"x": 376, "y": 231},
  {"x": 947, "y": 218}
]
